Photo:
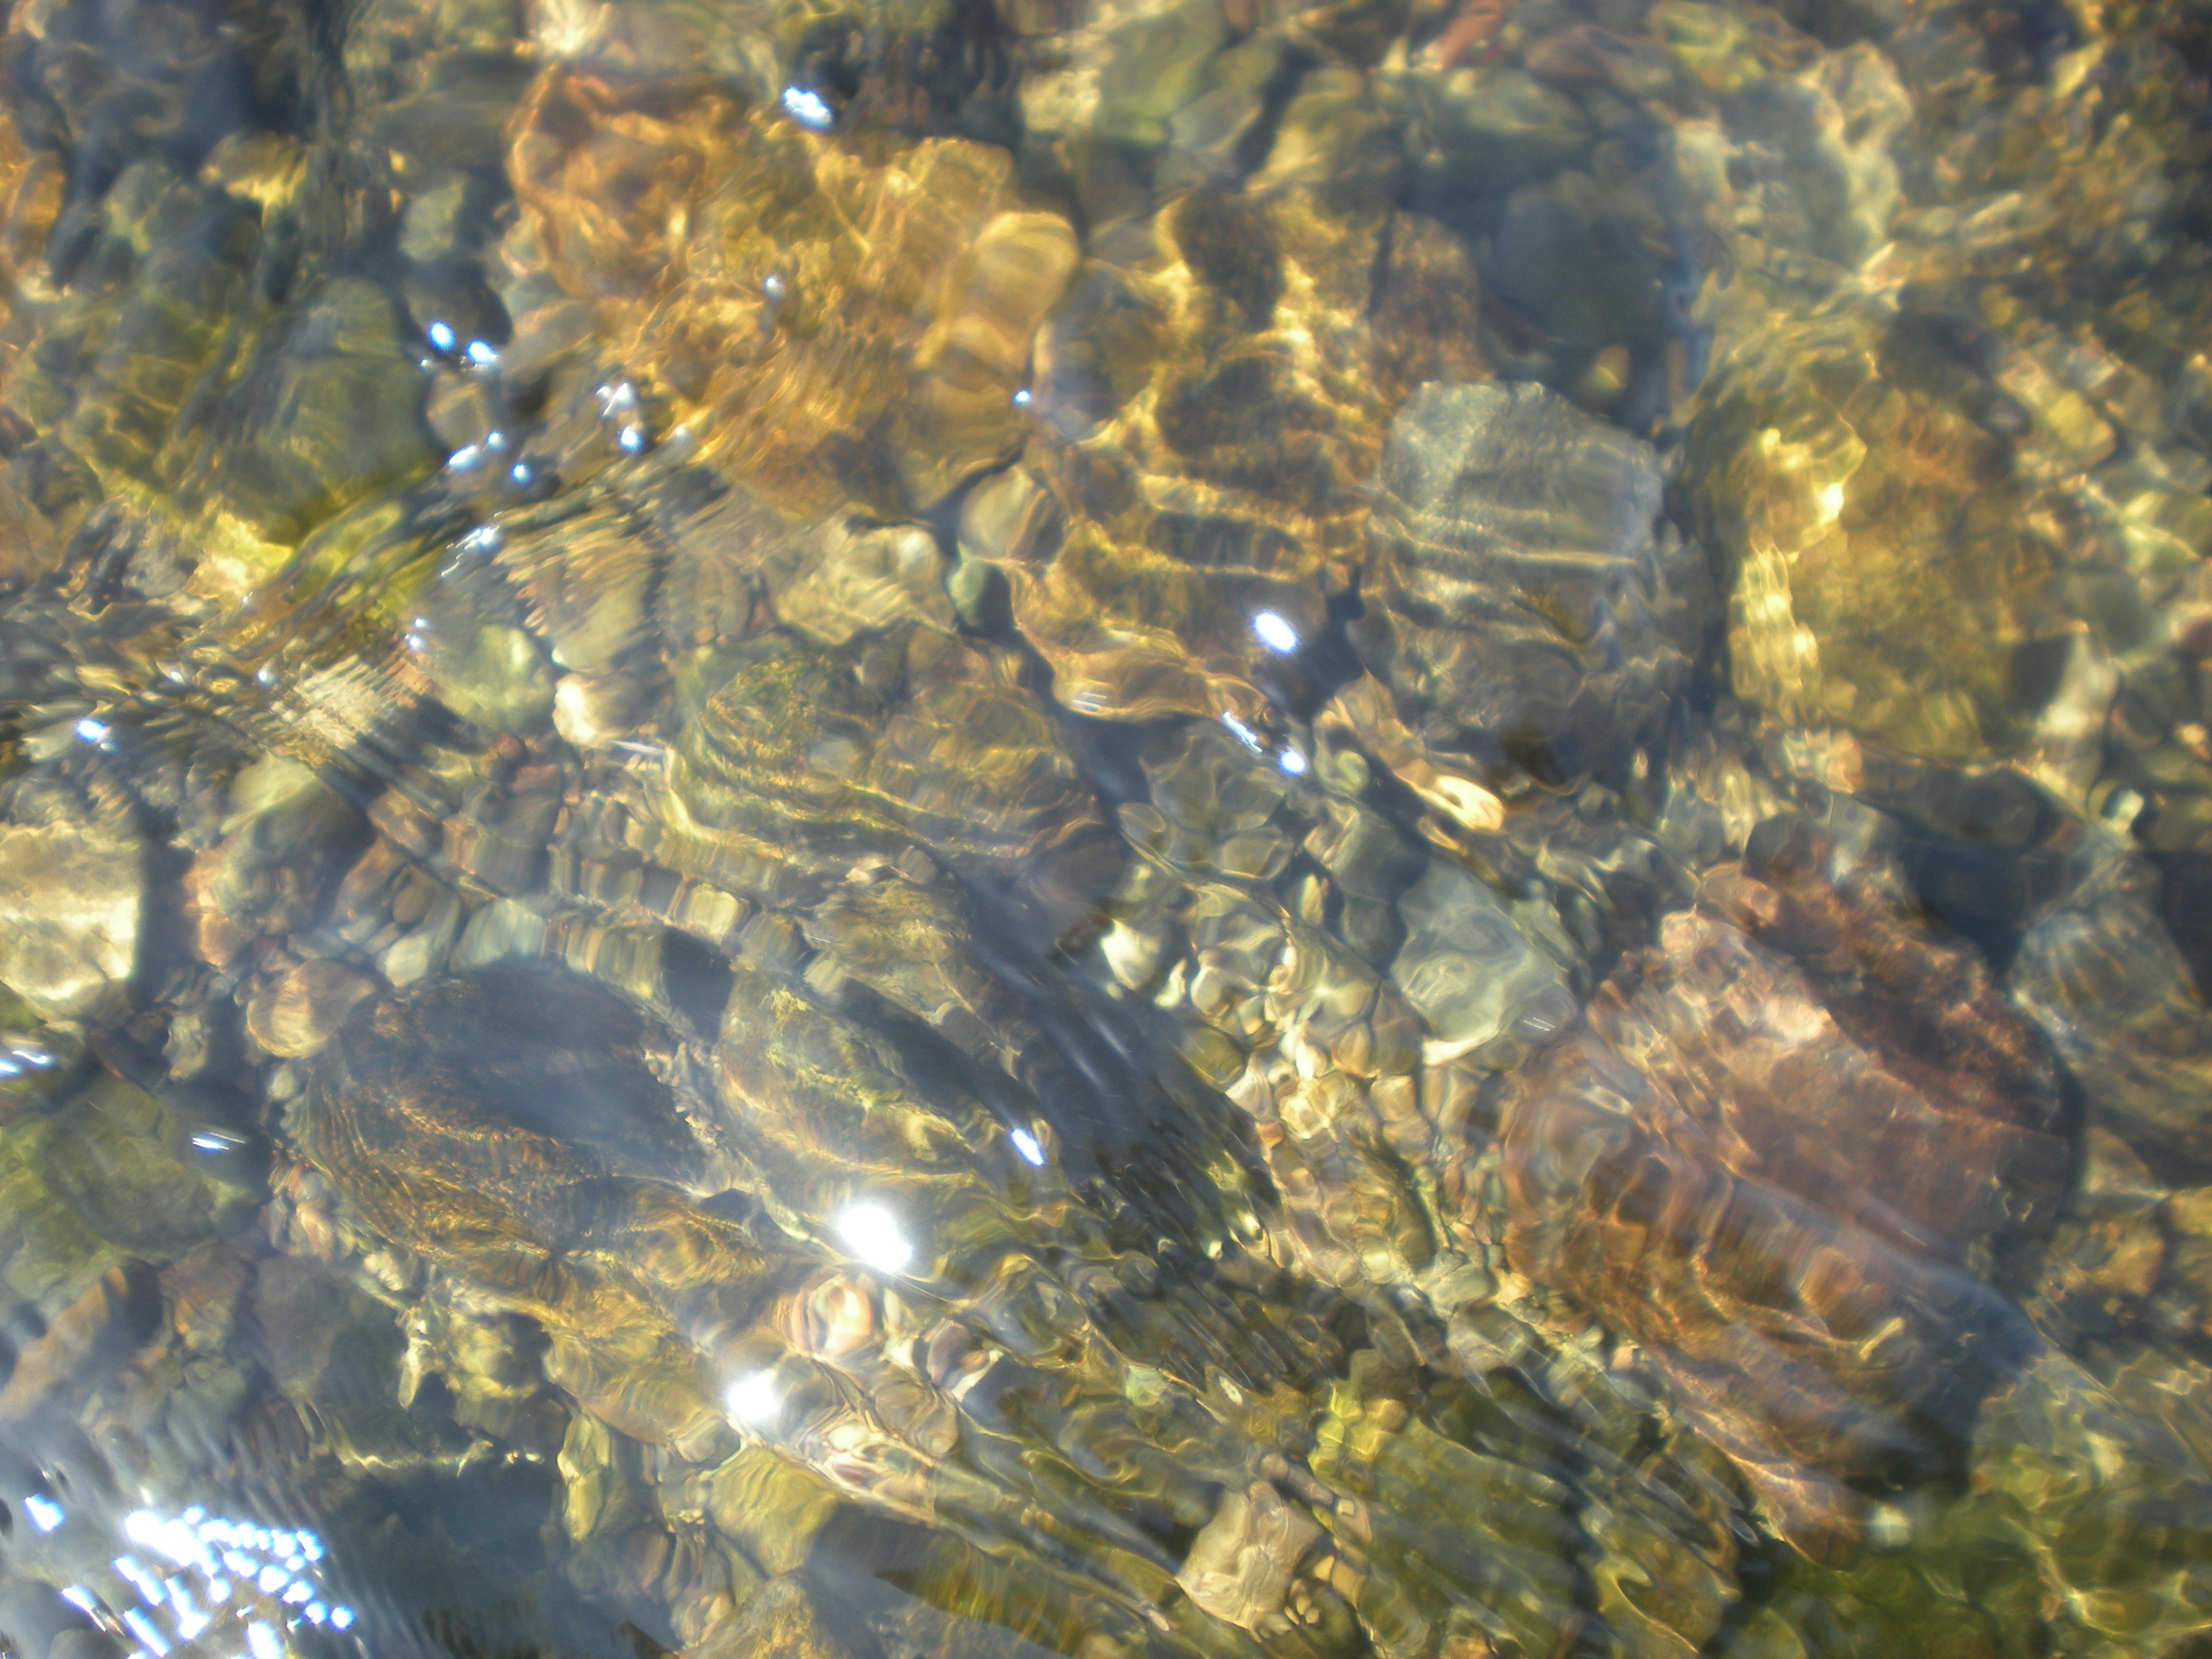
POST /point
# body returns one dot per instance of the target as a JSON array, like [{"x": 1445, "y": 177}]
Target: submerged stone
[
  {"x": 1470, "y": 972},
  {"x": 849, "y": 579},
  {"x": 1773, "y": 1154},
  {"x": 1525, "y": 603},
  {"x": 283, "y": 841},
  {"x": 70, "y": 885},
  {"x": 301, "y": 1009},
  {"x": 1210, "y": 408},
  {"x": 489, "y": 674},
  {"x": 808, "y": 760},
  {"x": 2105, "y": 980},
  {"x": 787, "y": 1618},
  {"x": 735, "y": 283},
  {"x": 503, "y": 1126},
  {"x": 1880, "y": 580}
]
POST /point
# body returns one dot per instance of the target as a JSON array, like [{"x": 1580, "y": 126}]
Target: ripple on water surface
[{"x": 1145, "y": 828}]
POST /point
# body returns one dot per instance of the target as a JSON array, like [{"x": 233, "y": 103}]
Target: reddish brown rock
[
  {"x": 1775, "y": 1154},
  {"x": 1924, "y": 1111}
]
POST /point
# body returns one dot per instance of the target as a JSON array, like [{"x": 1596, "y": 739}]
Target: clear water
[{"x": 1171, "y": 829}]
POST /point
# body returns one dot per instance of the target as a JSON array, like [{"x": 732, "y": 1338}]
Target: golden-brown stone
[
  {"x": 70, "y": 901},
  {"x": 1211, "y": 414},
  {"x": 838, "y": 320},
  {"x": 1884, "y": 571},
  {"x": 808, "y": 762}
]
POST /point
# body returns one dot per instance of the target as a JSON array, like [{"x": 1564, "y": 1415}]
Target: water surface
[{"x": 1171, "y": 828}]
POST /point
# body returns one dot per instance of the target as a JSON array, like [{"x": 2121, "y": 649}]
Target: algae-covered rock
[{"x": 1885, "y": 575}]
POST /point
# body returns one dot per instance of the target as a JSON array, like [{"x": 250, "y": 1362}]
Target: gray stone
[
  {"x": 1525, "y": 603},
  {"x": 1469, "y": 970},
  {"x": 852, "y": 579}
]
